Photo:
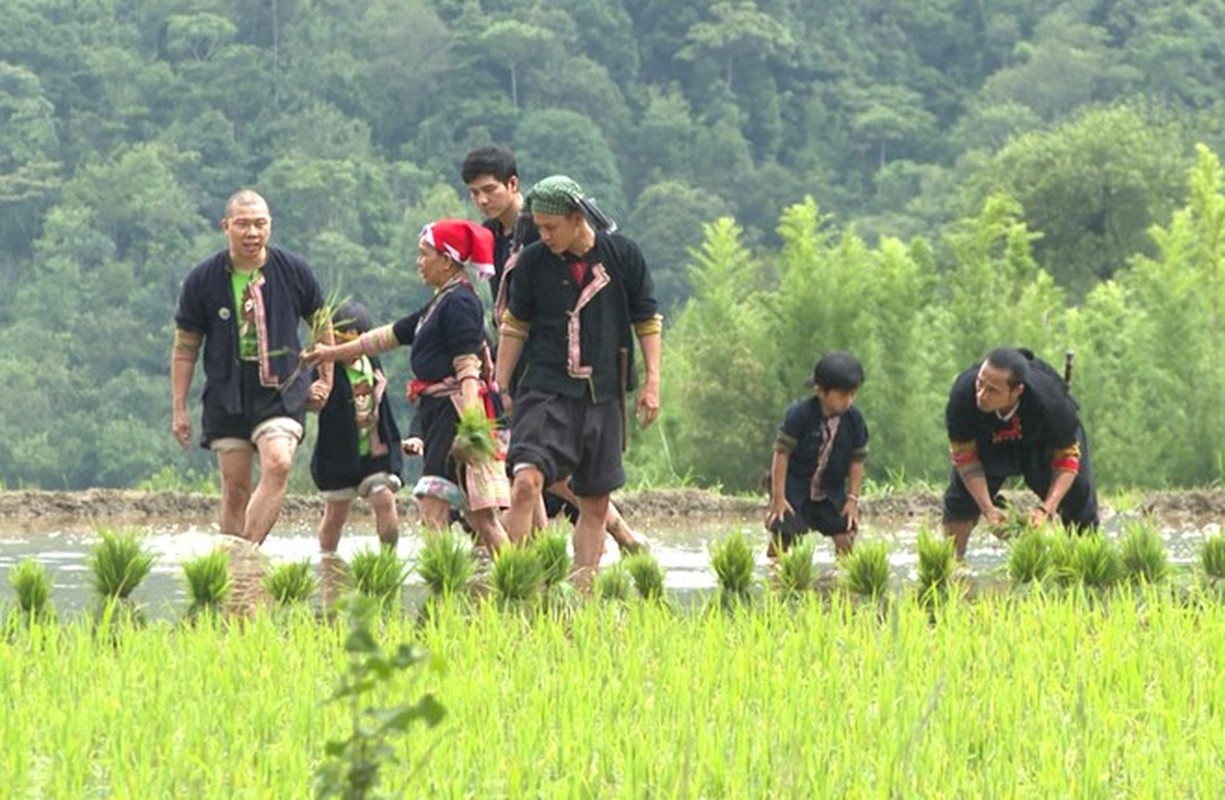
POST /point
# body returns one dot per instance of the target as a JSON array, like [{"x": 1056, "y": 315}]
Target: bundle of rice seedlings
[
  {"x": 517, "y": 574},
  {"x": 29, "y": 580},
  {"x": 1212, "y": 557},
  {"x": 292, "y": 583},
  {"x": 446, "y": 563},
  {"x": 379, "y": 574},
  {"x": 208, "y": 581},
  {"x": 1029, "y": 559},
  {"x": 1061, "y": 548},
  {"x": 867, "y": 569},
  {"x": 796, "y": 575},
  {"x": 613, "y": 583},
  {"x": 551, "y": 547},
  {"x": 647, "y": 575},
  {"x": 732, "y": 560},
  {"x": 937, "y": 563},
  {"x": 119, "y": 563},
  {"x": 1143, "y": 553},
  {"x": 474, "y": 436},
  {"x": 1095, "y": 563}
]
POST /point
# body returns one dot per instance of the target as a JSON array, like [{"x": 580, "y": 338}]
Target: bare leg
[
  {"x": 960, "y": 530},
  {"x": 489, "y": 530},
  {"x": 614, "y": 523},
  {"x": 589, "y": 539},
  {"x": 386, "y": 517},
  {"x": 525, "y": 494},
  {"x": 235, "y": 489},
  {"x": 435, "y": 514},
  {"x": 335, "y": 512},
  {"x": 275, "y": 459}
]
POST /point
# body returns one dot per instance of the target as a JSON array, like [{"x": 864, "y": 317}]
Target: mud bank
[{"x": 26, "y": 510}]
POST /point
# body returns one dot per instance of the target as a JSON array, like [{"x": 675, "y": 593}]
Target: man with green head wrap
[{"x": 580, "y": 296}]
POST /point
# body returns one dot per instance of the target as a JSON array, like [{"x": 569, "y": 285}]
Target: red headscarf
[{"x": 464, "y": 241}]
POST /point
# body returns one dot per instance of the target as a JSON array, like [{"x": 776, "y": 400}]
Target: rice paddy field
[{"x": 986, "y": 688}]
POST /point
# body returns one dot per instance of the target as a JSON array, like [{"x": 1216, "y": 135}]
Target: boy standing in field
[
  {"x": 817, "y": 470},
  {"x": 357, "y": 452}
]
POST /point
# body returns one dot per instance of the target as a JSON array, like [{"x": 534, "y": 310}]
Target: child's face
[{"x": 835, "y": 401}]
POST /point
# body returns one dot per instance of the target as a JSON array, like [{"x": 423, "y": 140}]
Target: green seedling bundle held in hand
[{"x": 474, "y": 436}]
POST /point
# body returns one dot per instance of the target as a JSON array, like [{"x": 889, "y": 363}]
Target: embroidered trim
[
  {"x": 574, "y": 327},
  {"x": 513, "y": 327}
]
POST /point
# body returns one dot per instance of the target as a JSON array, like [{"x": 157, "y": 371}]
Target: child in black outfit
[
  {"x": 357, "y": 452},
  {"x": 817, "y": 470}
]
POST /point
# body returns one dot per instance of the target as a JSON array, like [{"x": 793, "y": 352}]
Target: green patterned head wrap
[{"x": 556, "y": 194}]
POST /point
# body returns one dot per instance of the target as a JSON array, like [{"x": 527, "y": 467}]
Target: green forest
[{"x": 915, "y": 182}]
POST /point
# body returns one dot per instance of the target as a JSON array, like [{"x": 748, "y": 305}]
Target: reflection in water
[{"x": 683, "y": 552}]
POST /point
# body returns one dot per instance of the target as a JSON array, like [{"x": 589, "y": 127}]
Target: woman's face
[{"x": 435, "y": 268}]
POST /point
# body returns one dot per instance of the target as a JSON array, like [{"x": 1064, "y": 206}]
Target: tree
[{"x": 667, "y": 222}]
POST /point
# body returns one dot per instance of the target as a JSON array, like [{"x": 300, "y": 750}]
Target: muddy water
[{"x": 682, "y": 550}]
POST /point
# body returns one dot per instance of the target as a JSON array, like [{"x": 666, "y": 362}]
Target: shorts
[
  {"x": 437, "y": 422},
  {"x": 818, "y": 515},
  {"x": 375, "y": 481},
  {"x": 568, "y": 437},
  {"x": 264, "y": 415}
]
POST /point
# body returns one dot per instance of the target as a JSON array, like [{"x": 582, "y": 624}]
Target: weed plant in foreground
[{"x": 1043, "y": 695}]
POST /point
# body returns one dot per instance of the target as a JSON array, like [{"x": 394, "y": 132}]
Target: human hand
[
  {"x": 648, "y": 403},
  {"x": 180, "y": 426},
  {"x": 317, "y": 398},
  {"x": 412, "y": 446},
  {"x": 850, "y": 510},
  {"x": 1039, "y": 516},
  {"x": 318, "y": 354},
  {"x": 779, "y": 510},
  {"x": 995, "y": 516}
]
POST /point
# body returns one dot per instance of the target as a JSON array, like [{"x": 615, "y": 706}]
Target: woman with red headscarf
[{"x": 447, "y": 336}]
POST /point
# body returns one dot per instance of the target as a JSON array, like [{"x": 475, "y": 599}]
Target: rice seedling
[
  {"x": 732, "y": 560},
  {"x": 551, "y": 547},
  {"x": 613, "y": 583},
  {"x": 517, "y": 574},
  {"x": 1061, "y": 548},
  {"x": 208, "y": 581},
  {"x": 32, "y": 586},
  {"x": 446, "y": 563},
  {"x": 1095, "y": 562},
  {"x": 647, "y": 575},
  {"x": 1143, "y": 553},
  {"x": 867, "y": 569},
  {"x": 291, "y": 583},
  {"x": 1212, "y": 557},
  {"x": 1029, "y": 558},
  {"x": 475, "y": 436},
  {"x": 1015, "y": 524},
  {"x": 379, "y": 574},
  {"x": 119, "y": 563},
  {"x": 937, "y": 563},
  {"x": 796, "y": 575}
]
